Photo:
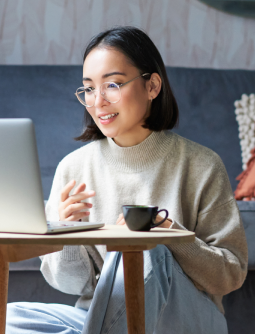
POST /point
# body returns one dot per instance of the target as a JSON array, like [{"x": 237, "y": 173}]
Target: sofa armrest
[
  {"x": 247, "y": 211},
  {"x": 26, "y": 265}
]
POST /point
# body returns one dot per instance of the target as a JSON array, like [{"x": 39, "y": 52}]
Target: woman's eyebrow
[
  {"x": 112, "y": 73},
  {"x": 86, "y": 79},
  {"x": 106, "y": 75}
]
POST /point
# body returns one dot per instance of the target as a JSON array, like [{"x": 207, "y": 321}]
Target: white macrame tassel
[{"x": 245, "y": 116}]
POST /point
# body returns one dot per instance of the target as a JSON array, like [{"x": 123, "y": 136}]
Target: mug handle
[{"x": 162, "y": 221}]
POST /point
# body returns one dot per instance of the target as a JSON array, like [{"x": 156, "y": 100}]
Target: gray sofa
[{"x": 205, "y": 97}]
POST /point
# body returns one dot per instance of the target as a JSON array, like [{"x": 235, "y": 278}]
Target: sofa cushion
[
  {"x": 207, "y": 113},
  {"x": 26, "y": 265},
  {"x": 46, "y": 95},
  {"x": 31, "y": 286},
  {"x": 247, "y": 210}
]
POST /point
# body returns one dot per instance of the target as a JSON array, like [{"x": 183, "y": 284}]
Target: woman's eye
[
  {"x": 88, "y": 89},
  {"x": 112, "y": 85}
]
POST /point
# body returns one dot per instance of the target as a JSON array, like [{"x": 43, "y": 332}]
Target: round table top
[{"x": 108, "y": 235}]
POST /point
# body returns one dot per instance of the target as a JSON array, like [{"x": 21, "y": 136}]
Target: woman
[{"x": 132, "y": 159}]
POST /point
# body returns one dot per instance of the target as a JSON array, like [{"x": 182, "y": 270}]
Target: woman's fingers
[
  {"x": 71, "y": 209},
  {"x": 70, "y": 185},
  {"x": 70, "y": 206},
  {"x": 77, "y": 216},
  {"x": 81, "y": 187},
  {"x": 66, "y": 190},
  {"x": 121, "y": 220},
  {"x": 167, "y": 223},
  {"x": 80, "y": 197}
]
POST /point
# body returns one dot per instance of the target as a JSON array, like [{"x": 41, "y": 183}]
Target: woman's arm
[
  {"x": 72, "y": 269},
  {"x": 217, "y": 260}
]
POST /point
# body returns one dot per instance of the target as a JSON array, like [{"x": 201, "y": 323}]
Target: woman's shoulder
[
  {"x": 195, "y": 153},
  {"x": 203, "y": 165},
  {"x": 80, "y": 155}
]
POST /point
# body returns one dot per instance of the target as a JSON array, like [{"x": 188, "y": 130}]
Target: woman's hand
[
  {"x": 70, "y": 206},
  {"x": 121, "y": 220},
  {"x": 167, "y": 223}
]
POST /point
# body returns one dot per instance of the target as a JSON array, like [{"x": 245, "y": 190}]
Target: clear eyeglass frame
[{"x": 81, "y": 90}]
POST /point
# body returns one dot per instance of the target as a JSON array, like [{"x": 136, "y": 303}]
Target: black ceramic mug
[{"x": 142, "y": 217}]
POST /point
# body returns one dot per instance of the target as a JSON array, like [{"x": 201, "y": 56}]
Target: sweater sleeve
[
  {"x": 217, "y": 260},
  {"x": 70, "y": 270}
]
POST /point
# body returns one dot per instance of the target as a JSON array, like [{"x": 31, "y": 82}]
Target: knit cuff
[
  {"x": 177, "y": 226},
  {"x": 70, "y": 253},
  {"x": 188, "y": 250}
]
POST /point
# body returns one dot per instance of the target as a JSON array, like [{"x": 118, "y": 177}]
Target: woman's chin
[{"x": 109, "y": 134}]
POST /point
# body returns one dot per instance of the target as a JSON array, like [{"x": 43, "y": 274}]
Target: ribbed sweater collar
[{"x": 139, "y": 157}]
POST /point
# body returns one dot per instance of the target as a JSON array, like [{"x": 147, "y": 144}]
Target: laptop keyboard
[{"x": 60, "y": 225}]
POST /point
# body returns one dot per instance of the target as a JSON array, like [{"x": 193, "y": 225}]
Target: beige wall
[{"x": 187, "y": 32}]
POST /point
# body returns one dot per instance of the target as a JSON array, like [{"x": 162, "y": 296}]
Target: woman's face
[{"x": 106, "y": 65}]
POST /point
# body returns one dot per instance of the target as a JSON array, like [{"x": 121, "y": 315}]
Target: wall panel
[{"x": 187, "y": 32}]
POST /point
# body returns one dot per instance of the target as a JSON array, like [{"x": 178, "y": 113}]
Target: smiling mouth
[{"x": 109, "y": 116}]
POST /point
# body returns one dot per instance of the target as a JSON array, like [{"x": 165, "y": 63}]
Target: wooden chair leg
[
  {"x": 134, "y": 291},
  {"x": 4, "y": 277}
]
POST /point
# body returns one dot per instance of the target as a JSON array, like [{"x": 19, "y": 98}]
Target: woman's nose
[{"x": 100, "y": 100}]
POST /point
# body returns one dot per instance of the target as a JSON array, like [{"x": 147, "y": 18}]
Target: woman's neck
[
  {"x": 132, "y": 140},
  {"x": 139, "y": 157}
]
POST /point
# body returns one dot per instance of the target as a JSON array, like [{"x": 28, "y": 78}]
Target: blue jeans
[{"x": 172, "y": 304}]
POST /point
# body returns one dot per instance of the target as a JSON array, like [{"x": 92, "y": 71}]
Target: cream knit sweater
[{"x": 167, "y": 171}]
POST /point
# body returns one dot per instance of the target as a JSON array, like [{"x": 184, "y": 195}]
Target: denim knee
[
  {"x": 156, "y": 257},
  {"x": 158, "y": 264},
  {"x": 13, "y": 309}
]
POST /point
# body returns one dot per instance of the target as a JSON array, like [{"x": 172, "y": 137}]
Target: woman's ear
[{"x": 154, "y": 86}]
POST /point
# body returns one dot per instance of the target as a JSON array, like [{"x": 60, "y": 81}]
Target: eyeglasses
[{"x": 110, "y": 91}]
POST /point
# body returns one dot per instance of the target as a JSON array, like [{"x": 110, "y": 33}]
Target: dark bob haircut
[{"x": 143, "y": 54}]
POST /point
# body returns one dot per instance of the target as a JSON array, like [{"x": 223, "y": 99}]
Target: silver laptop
[{"x": 21, "y": 195}]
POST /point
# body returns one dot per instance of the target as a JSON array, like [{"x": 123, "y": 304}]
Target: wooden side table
[{"x": 17, "y": 247}]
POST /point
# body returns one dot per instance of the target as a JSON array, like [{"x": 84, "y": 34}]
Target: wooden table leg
[
  {"x": 4, "y": 277},
  {"x": 134, "y": 291}
]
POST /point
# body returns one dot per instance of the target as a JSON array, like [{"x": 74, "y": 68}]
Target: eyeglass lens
[{"x": 109, "y": 90}]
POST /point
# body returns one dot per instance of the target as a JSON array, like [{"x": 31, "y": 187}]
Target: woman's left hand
[
  {"x": 166, "y": 224},
  {"x": 121, "y": 220}
]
